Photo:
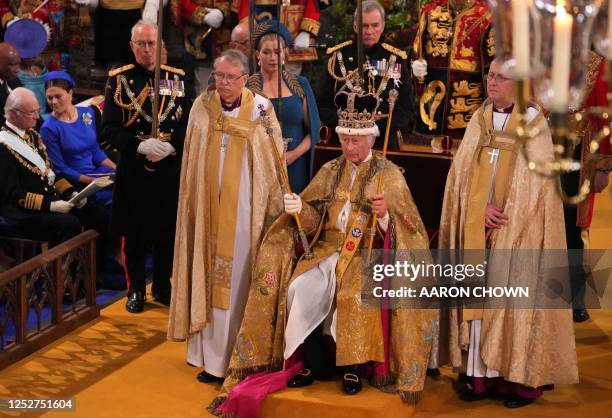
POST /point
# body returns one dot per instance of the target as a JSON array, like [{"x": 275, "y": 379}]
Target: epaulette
[
  {"x": 333, "y": 49},
  {"x": 396, "y": 51},
  {"x": 120, "y": 70},
  {"x": 173, "y": 70}
]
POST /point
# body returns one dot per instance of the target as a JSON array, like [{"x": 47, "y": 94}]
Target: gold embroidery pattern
[
  {"x": 491, "y": 43},
  {"x": 310, "y": 25},
  {"x": 430, "y": 100},
  {"x": 439, "y": 29},
  {"x": 459, "y": 121},
  {"x": 467, "y": 98}
]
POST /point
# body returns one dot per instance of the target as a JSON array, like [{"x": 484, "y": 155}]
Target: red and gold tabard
[
  {"x": 202, "y": 41},
  {"x": 458, "y": 46},
  {"x": 11, "y": 9},
  {"x": 300, "y": 15}
]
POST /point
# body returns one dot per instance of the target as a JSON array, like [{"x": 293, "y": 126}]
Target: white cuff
[{"x": 383, "y": 222}]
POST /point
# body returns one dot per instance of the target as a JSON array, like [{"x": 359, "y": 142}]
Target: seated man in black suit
[{"x": 33, "y": 199}]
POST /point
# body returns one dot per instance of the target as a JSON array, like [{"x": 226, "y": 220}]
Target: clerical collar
[
  {"x": 232, "y": 106},
  {"x": 19, "y": 132},
  {"x": 507, "y": 109}
]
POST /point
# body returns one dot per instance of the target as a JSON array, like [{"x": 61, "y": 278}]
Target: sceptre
[
  {"x": 285, "y": 180},
  {"x": 392, "y": 98}
]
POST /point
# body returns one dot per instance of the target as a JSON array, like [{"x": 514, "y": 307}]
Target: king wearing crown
[{"x": 295, "y": 302}]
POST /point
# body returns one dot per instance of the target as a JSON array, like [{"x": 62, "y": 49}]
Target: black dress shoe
[
  {"x": 581, "y": 315},
  {"x": 304, "y": 378},
  {"x": 205, "y": 377},
  {"x": 162, "y": 297},
  {"x": 135, "y": 302},
  {"x": 351, "y": 383},
  {"x": 433, "y": 372},
  {"x": 516, "y": 401},
  {"x": 470, "y": 396}
]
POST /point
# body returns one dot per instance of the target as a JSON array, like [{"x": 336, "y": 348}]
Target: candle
[
  {"x": 520, "y": 37},
  {"x": 609, "y": 30},
  {"x": 561, "y": 60}
]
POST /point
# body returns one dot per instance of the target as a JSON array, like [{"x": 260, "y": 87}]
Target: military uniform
[
  {"x": 146, "y": 194},
  {"x": 27, "y": 191},
  {"x": 385, "y": 69},
  {"x": 458, "y": 47}
]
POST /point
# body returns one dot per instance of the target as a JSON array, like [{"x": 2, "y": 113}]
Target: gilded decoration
[
  {"x": 439, "y": 29},
  {"x": 430, "y": 101}
]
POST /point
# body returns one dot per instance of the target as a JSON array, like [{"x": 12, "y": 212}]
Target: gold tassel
[{"x": 411, "y": 397}]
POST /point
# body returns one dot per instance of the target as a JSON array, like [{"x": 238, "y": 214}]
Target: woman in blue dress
[
  {"x": 70, "y": 134},
  {"x": 298, "y": 114}
]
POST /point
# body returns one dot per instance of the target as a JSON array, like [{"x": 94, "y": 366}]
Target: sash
[
  {"x": 15, "y": 143},
  {"x": 224, "y": 196},
  {"x": 351, "y": 244}
]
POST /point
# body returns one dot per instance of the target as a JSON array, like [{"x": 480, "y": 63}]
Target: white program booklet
[{"x": 92, "y": 188}]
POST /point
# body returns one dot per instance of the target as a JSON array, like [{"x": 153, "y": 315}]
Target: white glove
[
  {"x": 293, "y": 203},
  {"x": 151, "y": 146},
  {"x": 80, "y": 203},
  {"x": 302, "y": 40},
  {"x": 61, "y": 206},
  {"x": 92, "y": 4},
  {"x": 161, "y": 152},
  {"x": 213, "y": 17},
  {"x": 419, "y": 68}
]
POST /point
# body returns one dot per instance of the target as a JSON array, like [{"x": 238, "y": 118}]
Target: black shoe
[
  {"x": 581, "y": 315},
  {"x": 351, "y": 383},
  {"x": 470, "y": 396},
  {"x": 433, "y": 372},
  {"x": 162, "y": 297},
  {"x": 302, "y": 379},
  {"x": 205, "y": 377},
  {"x": 135, "y": 302},
  {"x": 516, "y": 401}
]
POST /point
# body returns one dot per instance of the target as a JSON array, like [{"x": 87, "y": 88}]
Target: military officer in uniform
[
  {"x": 34, "y": 200},
  {"x": 385, "y": 68},
  {"x": 147, "y": 181}
]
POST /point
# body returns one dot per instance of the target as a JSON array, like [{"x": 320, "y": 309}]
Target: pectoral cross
[{"x": 494, "y": 153}]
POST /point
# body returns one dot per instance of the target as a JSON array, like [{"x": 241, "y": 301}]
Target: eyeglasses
[
  {"x": 498, "y": 78},
  {"x": 31, "y": 113},
  {"x": 142, "y": 44},
  {"x": 226, "y": 77}
]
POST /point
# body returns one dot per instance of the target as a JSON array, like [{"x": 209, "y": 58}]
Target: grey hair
[
  {"x": 235, "y": 57},
  {"x": 270, "y": 37},
  {"x": 142, "y": 23},
  {"x": 368, "y": 6},
  {"x": 15, "y": 99}
]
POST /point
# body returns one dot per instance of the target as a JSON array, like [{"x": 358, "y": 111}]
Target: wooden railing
[{"x": 54, "y": 291}]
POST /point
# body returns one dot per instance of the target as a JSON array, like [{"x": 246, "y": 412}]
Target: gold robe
[
  {"x": 260, "y": 342},
  {"x": 193, "y": 271},
  {"x": 532, "y": 347}
]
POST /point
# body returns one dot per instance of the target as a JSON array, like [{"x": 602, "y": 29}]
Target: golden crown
[{"x": 360, "y": 113}]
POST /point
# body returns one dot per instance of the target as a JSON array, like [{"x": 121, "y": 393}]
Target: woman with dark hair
[
  {"x": 298, "y": 115},
  {"x": 70, "y": 134}
]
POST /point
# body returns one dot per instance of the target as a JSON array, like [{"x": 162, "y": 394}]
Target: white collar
[{"x": 18, "y": 131}]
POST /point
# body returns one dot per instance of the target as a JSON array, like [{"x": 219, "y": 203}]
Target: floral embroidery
[{"x": 269, "y": 279}]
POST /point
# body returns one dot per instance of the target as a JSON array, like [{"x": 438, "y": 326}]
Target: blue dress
[
  {"x": 74, "y": 150},
  {"x": 292, "y": 114}
]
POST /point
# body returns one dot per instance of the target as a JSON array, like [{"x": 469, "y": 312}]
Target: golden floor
[{"x": 122, "y": 366}]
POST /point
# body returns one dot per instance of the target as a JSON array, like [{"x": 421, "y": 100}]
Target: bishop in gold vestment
[
  {"x": 230, "y": 194},
  {"x": 507, "y": 207}
]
